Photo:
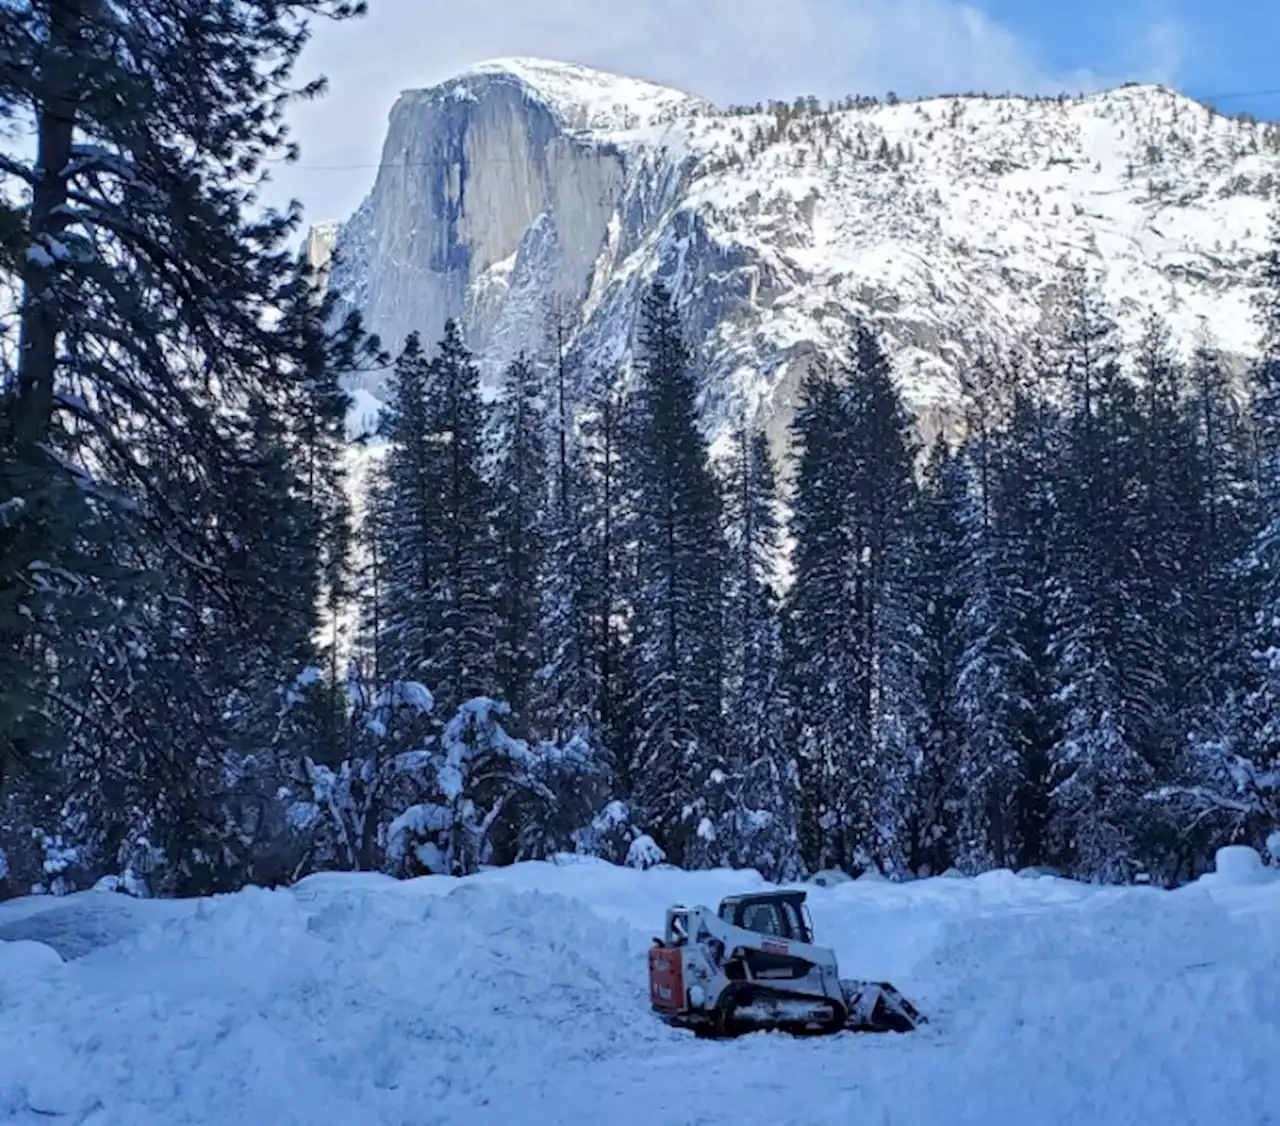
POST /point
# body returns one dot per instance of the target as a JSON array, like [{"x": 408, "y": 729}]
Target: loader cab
[{"x": 782, "y": 914}]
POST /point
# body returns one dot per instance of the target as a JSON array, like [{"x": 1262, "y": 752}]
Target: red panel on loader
[{"x": 666, "y": 978}]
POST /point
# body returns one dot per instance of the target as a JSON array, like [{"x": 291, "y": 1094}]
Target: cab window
[
  {"x": 796, "y": 927},
  {"x": 763, "y": 919}
]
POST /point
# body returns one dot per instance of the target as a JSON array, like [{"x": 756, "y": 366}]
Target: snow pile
[
  {"x": 520, "y": 995},
  {"x": 1239, "y": 864}
]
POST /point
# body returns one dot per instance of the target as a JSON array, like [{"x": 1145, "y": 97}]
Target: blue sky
[
  {"x": 751, "y": 50},
  {"x": 1216, "y": 46}
]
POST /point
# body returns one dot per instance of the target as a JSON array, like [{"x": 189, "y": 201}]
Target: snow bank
[
  {"x": 519, "y": 995},
  {"x": 1240, "y": 864}
]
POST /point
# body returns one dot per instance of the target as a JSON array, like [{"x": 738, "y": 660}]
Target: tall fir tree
[
  {"x": 1171, "y": 479},
  {"x": 1108, "y": 668},
  {"x": 943, "y": 580},
  {"x": 1235, "y": 781},
  {"x": 760, "y": 827},
  {"x": 1221, "y": 578},
  {"x": 322, "y": 352},
  {"x": 133, "y": 419},
  {"x": 824, "y": 663},
  {"x": 522, "y": 499},
  {"x": 406, "y": 515},
  {"x": 461, "y": 657},
  {"x": 1006, "y": 687},
  {"x": 675, "y": 653},
  {"x": 436, "y": 537},
  {"x": 573, "y": 620},
  {"x": 881, "y": 514},
  {"x": 854, "y": 667}
]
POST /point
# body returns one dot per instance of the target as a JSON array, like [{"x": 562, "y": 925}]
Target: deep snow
[{"x": 519, "y": 996}]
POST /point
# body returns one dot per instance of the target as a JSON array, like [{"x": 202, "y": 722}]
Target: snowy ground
[{"x": 519, "y": 996}]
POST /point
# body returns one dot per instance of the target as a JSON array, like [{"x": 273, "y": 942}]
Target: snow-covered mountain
[{"x": 521, "y": 187}]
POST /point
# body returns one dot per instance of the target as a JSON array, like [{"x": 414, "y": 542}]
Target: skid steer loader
[{"x": 752, "y": 966}]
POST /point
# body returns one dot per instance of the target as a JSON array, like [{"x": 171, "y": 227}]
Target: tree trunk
[{"x": 62, "y": 65}]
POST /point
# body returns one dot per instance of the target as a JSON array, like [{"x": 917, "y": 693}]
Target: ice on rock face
[{"x": 523, "y": 188}]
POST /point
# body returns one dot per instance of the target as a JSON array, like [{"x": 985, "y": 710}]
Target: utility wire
[{"x": 1241, "y": 94}]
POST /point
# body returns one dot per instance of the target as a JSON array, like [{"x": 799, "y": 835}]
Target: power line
[{"x": 1240, "y": 94}]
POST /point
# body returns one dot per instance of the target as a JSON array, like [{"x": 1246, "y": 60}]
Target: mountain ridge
[{"x": 524, "y": 185}]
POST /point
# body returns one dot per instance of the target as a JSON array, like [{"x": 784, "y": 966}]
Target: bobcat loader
[{"x": 753, "y": 966}]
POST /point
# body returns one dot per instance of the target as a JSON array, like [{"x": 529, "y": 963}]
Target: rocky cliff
[{"x": 522, "y": 188}]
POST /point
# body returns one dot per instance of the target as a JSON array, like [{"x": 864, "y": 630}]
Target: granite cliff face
[
  {"x": 521, "y": 188},
  {"x": 497, "y": 203}
]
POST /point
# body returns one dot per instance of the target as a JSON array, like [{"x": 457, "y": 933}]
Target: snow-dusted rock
[
  {"x": 522, "y": 185},
  {"x": 830, "y": 877}
]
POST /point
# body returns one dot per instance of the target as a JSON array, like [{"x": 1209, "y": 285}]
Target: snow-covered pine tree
[
  {"x": 759, "y": 829},
  {"x": 1005, "y": 686},
  {"x": 943, "y": 580},
  {"x": 439, "y": 618},
  {"x": 824, "y": 663},
  {"x": 1169, "y": 503},
  {"x": 522, "y": 495},
  {"x": 1107, "y": 660},
  {"x": 143, "y": 351},
  {"x": 675, "y": 653},
  {"x": 1234, "y": 781},
  {"x": 853, "y": 663},
  {"x": 881, "y": 521},
  {"x": 406, "y": 514},
  {"x": 318, "y": 353},
  {"x": 1204, "y": 799},
  {"x": 571, "y": 621},
  {"x": 461, "y": 653},
  {"x": 473, "y": 778},
  {"x": 1219, "y": 427}
]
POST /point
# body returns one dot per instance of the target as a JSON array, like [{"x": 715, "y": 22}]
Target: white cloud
[
  {"x": 1161, "y": 51},
  {"x": 724, "y": 50}
]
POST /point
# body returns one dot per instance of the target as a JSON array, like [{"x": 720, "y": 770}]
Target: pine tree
[
  {"x": 1222, "y": 603},
  {"x": 852, "y": 609},
  {"x": 520, "y": 520},
  {"x": 882, "y": 506},
  {"x": 406, "y": 517},
  {"x": 1234, "y": 781},
  {"x": 675, "y": 654},
  {"x": 435, "y": 535},
  {"x": 1110, "y": 679},
  {"x": 573, "y": 617},
  {"x": 1005, "y": 687},
  {"x": 460, "y": 658},
  {"x": 1170, "y": 481},
  {"x": 133, "y": 415},
  {"x": 313, "y": 405},
  {"x": 824, "y": 662},
  {"x": 760, "y": 829},
  {"x": 944, "y": 572}
]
